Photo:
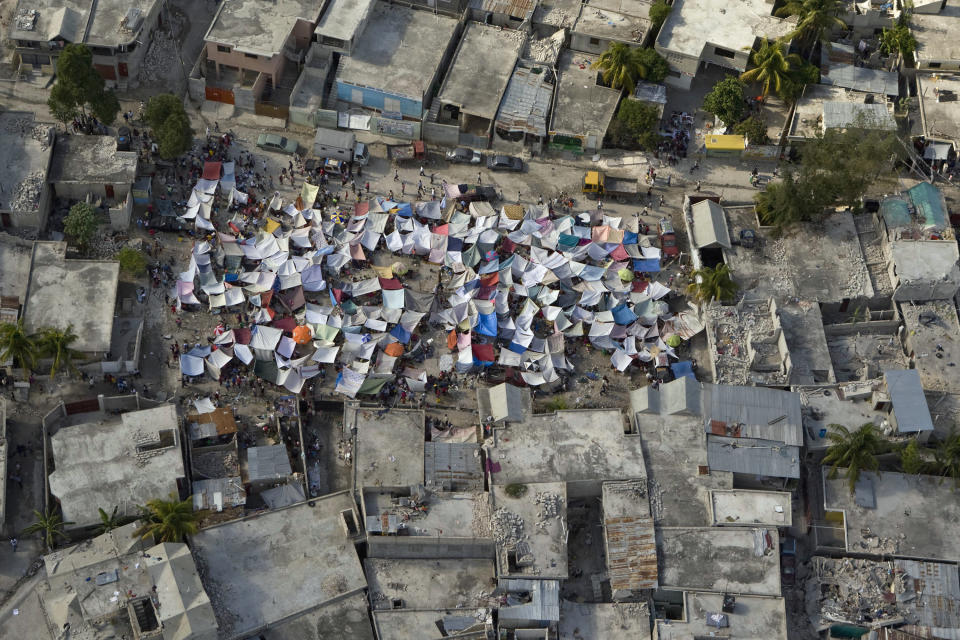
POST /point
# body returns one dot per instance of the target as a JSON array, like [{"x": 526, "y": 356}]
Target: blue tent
[
  {"x": 566, "y": 242},
  {"x": 646, "y": 265},
  {"x": 404, "y": 209},
  {"x": 682, "y": 368},
  {"x": 401, "y": 334},
  {"x": 487, "y": 324},
  {"x": 629, "y": 237},
  {"x": 516, "y": 348},
  {"x": 622, "y": 314}
]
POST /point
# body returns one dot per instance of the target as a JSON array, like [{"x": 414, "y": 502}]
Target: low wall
[{"x": 424, "y": 547}]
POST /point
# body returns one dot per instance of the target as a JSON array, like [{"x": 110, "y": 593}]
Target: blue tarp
[
  {"x": 404, "y": 209},
  {"x": 682, "y": 368},
  {"x": 646, "y": 265},
  {"x": 401, "y": 334},
  {"x": 565, "y": 242},
  {"x": 516, "y": 348},
  {"x": 454, "y": 244},
  {"x": 491, "y": 267},
  {"x": 623, "y": 315},
  {"x": 629, "y": 237},
  {"x": 487, "y": 324}
]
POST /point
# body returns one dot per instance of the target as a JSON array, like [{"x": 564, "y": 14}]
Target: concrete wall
[
  {"x": 496, "y": 19},
  {"x": 120, "y": 215},
  {"x": 36, "y": 219},
  {"x": 442, "y": 134},
  {"x": 272, "y": 66},
  {"x": 592, "y": 44},
  {"x": 738, "y": 62},
  {"x": 379, "y": 99},
  {"x": 425, "y": 547},
  {"x": 80, "y": 191}
]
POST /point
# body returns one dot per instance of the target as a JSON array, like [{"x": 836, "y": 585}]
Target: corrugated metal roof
[
  {"x": 909, "y": 404},
  {"x": 861, "y": 79},
  {"x": 452, "y": 464},
  {"x": 929, "y": 204},
  {"x": 650, "y": 92},
  {"x": 710, "y": 225},
  {"x": 940, "y": 585},
  {"x": 514, "y": 8},
  {"x": 680, "y": 396},
  {"x": 631, "y": 544},
  {"x": 753, "y": 412},
  {"x": 218, "y": 493},
  {"x": 839, "y": 115},
  {"x": 544, "y": 602},
  {"x": 526, "y": 102},
  {"x": 268, "y": 463},
  {"x": 753, "y": 457}
]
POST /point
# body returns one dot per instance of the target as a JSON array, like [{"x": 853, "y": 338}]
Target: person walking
[
  {"x": 396, "y": 175},
  {"x": 479, "y": 178},
  {"x": 422, "y": 172},
  {"x": 698, "y": 185}
]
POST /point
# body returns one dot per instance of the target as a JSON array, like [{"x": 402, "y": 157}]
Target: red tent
[
  {"x": 212, "y": 170},
  {"x": 483, "y": 352},
  {"x": 284, "y": 324},
  {"x": 390, "y": 284}
]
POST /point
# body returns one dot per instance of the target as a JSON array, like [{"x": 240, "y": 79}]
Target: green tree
[
  {"x": 81, "y": 223},
  {"x": 753, "y": 129},
  {"x": 855, "y": 451},
  {"x": 726, "y": 101},
  {"x": 947, "y": 457},
  {"x": 712, "y": 283},
  {"x": 168, "y": 520},
  {"x": 618, "y": 67},
  {"x": 816, "y": 19},
  {"x": 846, "y": 162},
  {"x": 131, "y": 261},
  {"x": 658, "y": 13},
  {"x": 55, "y": 343},
  {"x": 17, "y": 345},
  {"x": 635, "y": 126},
  {"x": 772, "y": 68},
  {"x": 793, "y": 199},
  {"x": 912, "y": 459},
  {"x": 80, "y": 88},
  {"x": 898, "y": 39},
  {"x": 167, "y": 117},
  {"x": 49, "y": 525},
  {"x": 651, "y": 66},
  {"x": 108, "y": 521}
]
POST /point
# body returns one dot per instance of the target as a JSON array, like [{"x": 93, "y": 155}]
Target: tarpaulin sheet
[{"x": 646, "y": 265}]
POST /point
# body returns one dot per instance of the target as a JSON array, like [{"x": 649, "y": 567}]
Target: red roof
[{"x": 211, "y": 170}]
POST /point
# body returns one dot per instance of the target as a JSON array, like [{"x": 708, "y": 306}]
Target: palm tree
[
  {"x": 618, "y": 67},
  {"x": 773, "y": 68},
  {"x": 168, "y": 520},
  {"x": 815, "y": 20},
  {"x": 17, "y": 345},
  {"x": 55, "y": 343},
  {"x": 50, "y": 524},
  {"x": 856, "y": 451},
  {"x": 710, "y": 284},
  {"x": 109, "y": 521},
  {"x": 947, "y": 457}
]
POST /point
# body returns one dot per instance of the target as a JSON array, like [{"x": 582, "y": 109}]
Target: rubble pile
[
  {"x": 26, "y": 195},
  {"x": 550, "y": 504},
  {"x": 864, "y": 592},
  {"x": 216, "y": 464},
  {"x": 738, "y": 330},
  {"x": 507, "y": 527},
  {"x": 27, "y": 127},
  {"x": 161, "y": 58}
]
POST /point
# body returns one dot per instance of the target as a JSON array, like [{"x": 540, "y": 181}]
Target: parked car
[
  {"x": 273, "y": 142},
  {"x": 788, "y": 561},
  {"x": 123, "y": 139},
  {"x": 463, "y": 155},
  {"x": 504, "y": 163},
  {"x": 668, "y": 238}
]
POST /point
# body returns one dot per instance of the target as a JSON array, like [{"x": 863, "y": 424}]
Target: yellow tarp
[
  {"x": 726, "y": 143},
  {"x": 271, "y": 225}
]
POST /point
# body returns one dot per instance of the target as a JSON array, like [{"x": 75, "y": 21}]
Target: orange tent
[
  {"x": 452, "y": 340},
  {"x": 302, "y": 334},
  {"x": 394, "y": 349}
]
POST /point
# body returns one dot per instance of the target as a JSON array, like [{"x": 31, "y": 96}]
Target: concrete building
[
  {"x": 613, "y": 620},
  {"x": 583, "y": 109},
  {"x": 928, "y": 340},
  {"x": 708, "y": 32},
  {"x": 746, "y": 508},
  {"x": 116, "y": 33},
  {"x": 348, "y": 617},
  {"x": 530, "y": 530},
  {"x": 511, "y": 15},
  {"x": 388, "y": 449},
  {"x": 602, "y": 22},
  {"x": 81, "y": 293},
  {"x": 91, "y": 167},
  {"x": 925, "y": 269},
  {"x": 432, "y": 624},
  {"x": 504, "y": 402},
  {"x": 522, "y": 116},
  {"x": 719, "y": 560},
  {"x": 253, "y": 51},
  {"x": 935, "y": 28},
  {"x": 629, "y": 542},
  {"x": 396, "y": 64},
  {"x": 269, "y": 569},
  {"x": 4, "y": 453},
  {"x": 823, "y": 106},
  {"x": 342, "y": 23},
  {"x": 115, "y": 585},
  {"x": 939, "y": 109},
  {"x": 581, "y": 448},
  {"x": 118, "y": 463},
  {"x": 892, "y": 514},
  {"x": 26, "y": 149},
  {"x": 478, "y": 76},
  {"x": 428, "y": 583},
  {"x": 751, "y": 617}
]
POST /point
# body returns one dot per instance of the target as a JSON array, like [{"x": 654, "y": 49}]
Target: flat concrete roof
[
  {"x": 481, "y": 69},
  {"x": 614, "y": 621},
  {"x": 941, "y": 119},
  {"x": 73, "y": 21},
  {"x": 743, "y": 507},
  {"x": 403, "y": 624},
  {"x": 280, "y": 564},
  {"x": 101, "y": 465},
  {"x": 399, "y": 51},
  {"x": 453, "y": 513},
  {"x": 346, "y": 618},
  {"x": 823, "y": 264},
  {"x": 611, "y": 24},
  {"x": 429, "y": 583},
  {"x": 342, "y": 18},
  {"x": 802, "y": 325},
  {"x": 14, "y": 265},
  {"x": 581, "y": 106},
  {"x": 829, "y": 405},
  {"x": 107, "y": 28},
  {"x": 675, "y": 452},
  {"x": 25, "y": 157},
  {"x": 808, "y": 116},
  {"x": 720, "y": 559},
  {"x": 922, "y": 261},
  {"x": 259, "y": 26},
  {"x": 91, "y": 160},
  {"x": 566, "y": 446},
  {"x": 389, "y": 447},
  {"x": 557, "y": 13},
  {"x": 752, "y": 617},
  {"x": 940, "y": 326},
  {"x": 696, "y": 24},
  {"x": 537, "y": 534},
  {"x": 62, "y": 292},
  {"x": 936, "y": 33},
  {"x": 909, "y": 519}
]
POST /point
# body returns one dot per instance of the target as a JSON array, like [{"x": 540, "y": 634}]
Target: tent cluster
[{"x": 517, "y": 287}]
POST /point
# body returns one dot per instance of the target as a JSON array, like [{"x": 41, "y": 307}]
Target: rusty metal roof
[
  {"x": 631, "y": 544},
  {"x": 515, "y": 8}
]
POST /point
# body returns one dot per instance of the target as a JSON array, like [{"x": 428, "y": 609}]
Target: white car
[{"x": 462, "y": 155}]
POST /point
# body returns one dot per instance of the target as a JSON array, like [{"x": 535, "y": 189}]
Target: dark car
[
  {"x": 463, "y": 155},
  {"x": 504, "y": 163},
  {"x": 668, "y": 238},
  {"x": 123, "y": 139}
]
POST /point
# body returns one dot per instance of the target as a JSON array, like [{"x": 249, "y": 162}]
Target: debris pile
[
  {"x": 26, "y": 195},
  {"x": 160, "y": 60},
  {"x": 550, "y": 504},
  {"x": 27, "y": 127},
  {"x": 746, "y": 345},
  {"x": 507, "y": 527}
]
